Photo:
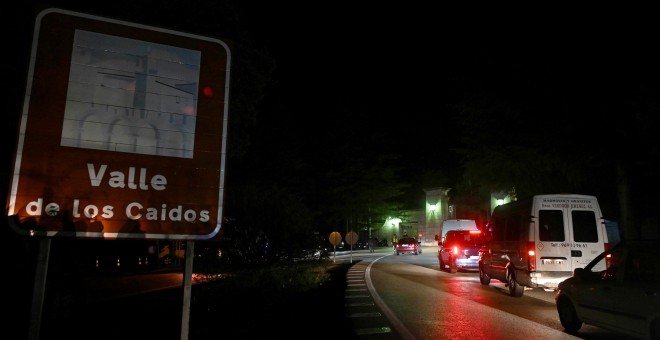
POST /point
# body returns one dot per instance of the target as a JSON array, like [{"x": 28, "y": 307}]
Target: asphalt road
[{"x": 150, "y": 306}]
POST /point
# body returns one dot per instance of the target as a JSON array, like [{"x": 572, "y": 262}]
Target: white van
[
  {"x": 456, "y": 224},
  {"x": 538, "y": 242}
]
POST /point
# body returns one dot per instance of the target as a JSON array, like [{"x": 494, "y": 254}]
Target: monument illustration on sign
[
  {"x": 131, "y": 96},
  {"x": 126, "y": 135}
]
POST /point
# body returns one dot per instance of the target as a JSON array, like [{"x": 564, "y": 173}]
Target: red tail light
[
  {"x": 608, "y": 257},
  {"x": 531, "y": 256}
]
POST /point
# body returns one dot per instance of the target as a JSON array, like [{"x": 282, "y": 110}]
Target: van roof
[{"x": 524, "y": 202}]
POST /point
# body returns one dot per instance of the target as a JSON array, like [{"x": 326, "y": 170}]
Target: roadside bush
[{"x": 304, "y": 292}]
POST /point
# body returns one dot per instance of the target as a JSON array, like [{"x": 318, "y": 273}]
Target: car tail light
[
  {"x": 531, "y": 256},
  {"x": 455, "y": 250},
  {"x": 608, "y": 257},
  {"x": 608, "y": 260}
]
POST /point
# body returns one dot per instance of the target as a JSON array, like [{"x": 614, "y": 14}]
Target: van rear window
[
  {"x": 584, "y": 226},
  {"x": 551, "y": 225}
]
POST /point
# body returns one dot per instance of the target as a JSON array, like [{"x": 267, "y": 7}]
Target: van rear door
[
  {"x": 551, "y": 238},
  {"x": 570, "y": 232},
  {"x": 588, "y": 233}
]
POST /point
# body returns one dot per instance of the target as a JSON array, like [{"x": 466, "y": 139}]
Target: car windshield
[
  {"x": 637, "y": 264},
  {"x": 407, "y": 240}
]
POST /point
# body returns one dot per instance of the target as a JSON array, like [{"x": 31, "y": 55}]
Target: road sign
[
  {"x": 123, "y": 131},
  {"x": 335, "y": 238},
  {"x": 352, "y": 238}
]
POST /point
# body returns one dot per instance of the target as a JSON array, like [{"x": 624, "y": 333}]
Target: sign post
[
  {"x": 351, "y": 238},
  {"x": 122, "y": 135},
  {"x": 335, "y": 238}
]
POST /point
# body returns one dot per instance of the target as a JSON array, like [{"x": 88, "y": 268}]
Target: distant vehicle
[
  {"x": 460, "y": 250},
  {"x": 407, "y": 245},
  {"x": 538, "y": 242},
  {"x": 619, "y": 290},
  {"x": 361, "y": 245},
  {"x": 341, "y": 246}
]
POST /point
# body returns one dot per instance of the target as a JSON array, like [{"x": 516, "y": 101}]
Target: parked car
[
  {"x": 459, "y": 250},
  {"x": 318, "y": 253},
  {"x": 407, "y": 245},
  {"x": 619, "y": 290}
]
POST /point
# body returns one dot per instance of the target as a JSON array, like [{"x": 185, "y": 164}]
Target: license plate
[{"x": 551, "y": 261}]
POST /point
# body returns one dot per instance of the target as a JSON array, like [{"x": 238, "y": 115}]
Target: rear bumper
[
  {"x": 542, "y": 279},
  {"x": 406, "y": 250}
]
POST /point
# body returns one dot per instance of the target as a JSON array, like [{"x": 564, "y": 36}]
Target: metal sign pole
[
  {"x": 39, "y": 288},
  {"x": 187, "y": 286}
]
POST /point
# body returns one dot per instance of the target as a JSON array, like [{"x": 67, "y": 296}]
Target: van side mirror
[{"x": 436, "y": 237}]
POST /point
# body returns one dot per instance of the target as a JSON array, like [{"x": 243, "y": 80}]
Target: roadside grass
[{"x": 277, "y": 300}]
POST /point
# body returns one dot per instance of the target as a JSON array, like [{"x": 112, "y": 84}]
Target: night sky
[{"x": 400, "y": 69}]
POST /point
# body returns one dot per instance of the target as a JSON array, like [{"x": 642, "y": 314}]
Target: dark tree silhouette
[{"x": 564, "y": 129}]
